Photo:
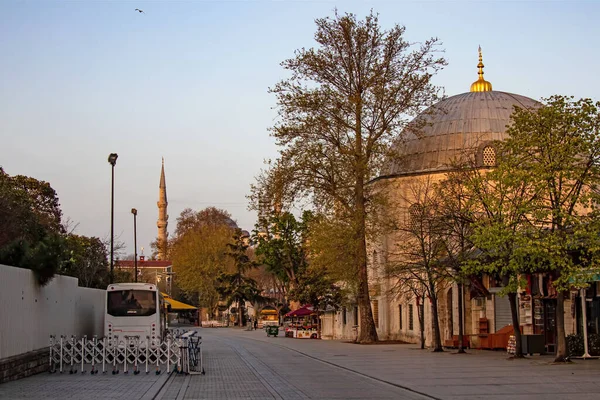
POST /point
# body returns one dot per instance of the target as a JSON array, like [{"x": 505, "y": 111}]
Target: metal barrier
[
  {"x": 179, "y": 350},
  {"x": 191, "y": 354}
]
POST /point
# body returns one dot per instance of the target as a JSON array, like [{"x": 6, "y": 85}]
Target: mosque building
[{"x": 467, "y": 124}]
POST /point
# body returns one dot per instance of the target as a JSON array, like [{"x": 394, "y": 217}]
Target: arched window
[
  {"x": 489, "y": 156},
  {"x": 415, "y": 214}
]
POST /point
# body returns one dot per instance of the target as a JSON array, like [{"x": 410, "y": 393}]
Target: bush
[
  {"x": 575, "y": 345},
  {"x": 594, "y": 344}
]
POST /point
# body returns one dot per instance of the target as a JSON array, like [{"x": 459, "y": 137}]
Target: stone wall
[{"x": 23, "y": 365}]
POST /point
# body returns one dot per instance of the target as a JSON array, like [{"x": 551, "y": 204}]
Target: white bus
[{"x": 135, "y": 310}]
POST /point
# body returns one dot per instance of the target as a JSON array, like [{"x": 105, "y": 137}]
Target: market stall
[{"x": 302, "y": 323}]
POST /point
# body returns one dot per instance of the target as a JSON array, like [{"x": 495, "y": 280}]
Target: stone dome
[{"x": 460, "y": 124}]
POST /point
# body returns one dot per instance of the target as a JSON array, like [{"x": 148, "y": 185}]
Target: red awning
[{"x": 301, "y": 312}]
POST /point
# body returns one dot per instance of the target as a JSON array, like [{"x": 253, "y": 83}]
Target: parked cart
[{"x": 272, "y": 330}]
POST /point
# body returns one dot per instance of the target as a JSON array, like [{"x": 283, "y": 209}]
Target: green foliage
[
  {"x": 282, "y": 248},
  {"x": 339, "y": 112},
  {"x": 575, "y": 347},
  {"x": 31, "y": 236},
  {"x": 44, "y": 200},
  {"x": 555, "y": 149},
  {"x": 332, "y": 249},
  {"x": 537, "y": 209},
  {"x": 237, "y": 287},
  {"x": 199, "y": 253},
  {"x": 87, "y": 261},
  {"x": 44, "y": 257},
  {"x": 316, "y": 287}
]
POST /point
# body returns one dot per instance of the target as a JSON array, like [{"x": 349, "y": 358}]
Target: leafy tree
[
  {"x": 338, "y": 113},
  {"x": 282, "y": 247},
  {"x": 330, "y": 238},
  {"x": 44, "y": 256},
  {"x": 31, "y": 235},
  {"x": 487, "y": 213},
  {"x": 556, "y": 149},
  {"x": 16, "y": 217},
  {"x": 44, "y": 200},
  {"x": 88, "y": 261},
  {"x": 316, "y": 287},
  {"x": 237, "y": 287},
  {"x": 198, "y": 252}
]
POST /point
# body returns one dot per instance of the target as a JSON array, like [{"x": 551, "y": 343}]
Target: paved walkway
[
  {"x": 249, "y": 365},
  {"x": 85, "y": 386},
  {"x": 477, "y": 375},
  {"x": 240, "y": 367}
]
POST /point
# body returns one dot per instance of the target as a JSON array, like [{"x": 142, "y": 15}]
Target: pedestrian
[{"x": 255, "y": 324}]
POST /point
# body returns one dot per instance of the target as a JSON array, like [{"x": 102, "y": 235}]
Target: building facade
[{"x": 464, "y": 125}]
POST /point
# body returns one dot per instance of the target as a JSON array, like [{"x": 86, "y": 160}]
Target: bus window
[{"x": 136, "y": 303}]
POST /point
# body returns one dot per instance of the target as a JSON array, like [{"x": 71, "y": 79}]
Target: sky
[{"x": 188, "y": 81}]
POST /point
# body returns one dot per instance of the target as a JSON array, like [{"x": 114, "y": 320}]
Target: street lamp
[
  {"x": 112, "y": 160},
  {"x": 134, "y": 212}
]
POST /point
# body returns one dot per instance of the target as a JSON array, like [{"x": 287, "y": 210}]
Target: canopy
[
  {"x": 302, "y": 311},
  {"x": 177, "y": 305}
]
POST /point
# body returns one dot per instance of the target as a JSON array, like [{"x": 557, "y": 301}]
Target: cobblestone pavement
[
  {"x": 249, "y": 365},
  {"x": 480, "y": 374},
  {"x": 84, "y": 386},
  {"x": 238, "y": 367}
]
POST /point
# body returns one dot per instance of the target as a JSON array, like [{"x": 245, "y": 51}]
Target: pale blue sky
[{"x": 188, "y": 80}]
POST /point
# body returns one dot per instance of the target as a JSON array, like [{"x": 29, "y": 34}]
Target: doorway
[{"x": 550, "y": 325}]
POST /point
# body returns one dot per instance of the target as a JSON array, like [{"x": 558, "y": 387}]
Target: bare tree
[
  {"x": 417, "y": 260},
  {"x": 340, "y": 110}
]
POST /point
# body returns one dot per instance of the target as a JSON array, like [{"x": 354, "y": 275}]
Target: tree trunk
[
  {"x": 421, "y": 316},
  {"x": 240, "y": 314},
  {"x": 460, "y": 318},
  {"x": 561, "y": 341},
  {"x": 367, "y": 330},
  {"x": 512, "y": 298},
  {"x": 437, "y": 338}
]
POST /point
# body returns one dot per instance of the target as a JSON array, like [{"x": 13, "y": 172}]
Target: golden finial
[
  {"x": 481, "y": 85},
  {"x": 163, "y": 161}
]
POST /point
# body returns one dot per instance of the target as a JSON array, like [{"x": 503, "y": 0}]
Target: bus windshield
[{"x": 135, "y": 303}]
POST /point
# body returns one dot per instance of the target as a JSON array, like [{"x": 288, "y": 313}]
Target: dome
[{"x": 465, "y": 122}]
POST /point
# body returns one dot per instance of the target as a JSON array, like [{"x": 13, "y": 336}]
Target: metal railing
[{"x": 180, "y": 352}]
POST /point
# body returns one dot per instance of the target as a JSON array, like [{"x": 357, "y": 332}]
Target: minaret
[{"x": 163, "y": 217}]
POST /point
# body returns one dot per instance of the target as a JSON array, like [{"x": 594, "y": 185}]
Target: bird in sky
[{"x": 140, "y": 11}]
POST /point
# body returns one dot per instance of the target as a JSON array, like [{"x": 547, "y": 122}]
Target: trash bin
[{"x": 272, "y": 330}]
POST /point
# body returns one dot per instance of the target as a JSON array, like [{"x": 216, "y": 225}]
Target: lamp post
[
  {"x": 112, "y": 160},
  {"x": 134, "y": 212}
]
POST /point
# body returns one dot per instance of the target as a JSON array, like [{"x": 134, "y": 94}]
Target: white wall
[{"x": 29, "y": 314}]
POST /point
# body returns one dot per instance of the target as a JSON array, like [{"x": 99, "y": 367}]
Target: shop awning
[
  {"x": 177, "y": 305},
  {"x": 301, "y": 312}
]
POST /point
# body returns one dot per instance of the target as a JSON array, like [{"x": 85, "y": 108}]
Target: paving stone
[{"x": 249, "y": 365}]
